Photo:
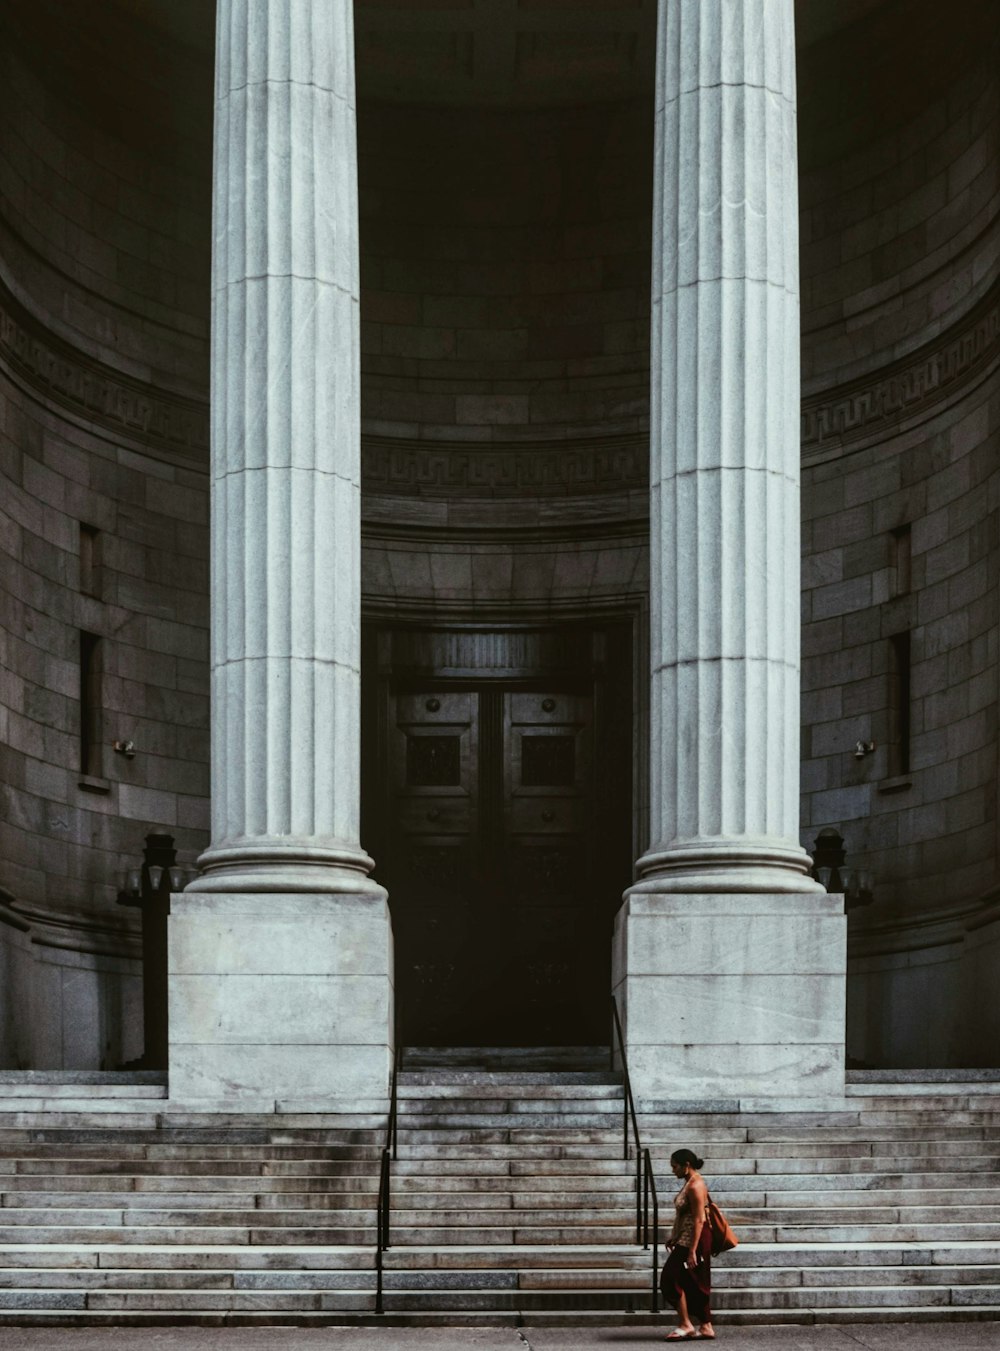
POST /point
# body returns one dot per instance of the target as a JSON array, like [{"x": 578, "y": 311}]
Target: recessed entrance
[{"x": 503, "y": 765}]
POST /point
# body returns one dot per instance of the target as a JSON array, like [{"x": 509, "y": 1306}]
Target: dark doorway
[{"x": 501, "y": 825}]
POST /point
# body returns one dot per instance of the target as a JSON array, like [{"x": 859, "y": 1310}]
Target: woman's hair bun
[{"x": 686, "y": 1156}]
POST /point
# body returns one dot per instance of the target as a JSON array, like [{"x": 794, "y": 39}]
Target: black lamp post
[
  {"x": 829, "y": 870},
  {"x": 148, "y": 889}
]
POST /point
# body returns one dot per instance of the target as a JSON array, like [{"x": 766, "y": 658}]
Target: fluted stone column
[
  {"x": 281, "y": 952},
  {"x": 732, "y": 956}
]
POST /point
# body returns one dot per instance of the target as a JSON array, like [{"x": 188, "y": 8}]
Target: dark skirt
[{"x": 696, "y": 1286}]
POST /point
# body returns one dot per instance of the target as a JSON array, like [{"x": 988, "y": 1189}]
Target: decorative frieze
[
  {"x": 96, "y": 393},
  {"x": 846, "y": 416},
  {"x": 911, "y": 390},
  {"x": 442, "y": 470}
]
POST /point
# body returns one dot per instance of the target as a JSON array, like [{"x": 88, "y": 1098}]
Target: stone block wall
[
  {"x": 901, "y": 519},
  {"x": 505, "y": 271},
  {"x": 73, "y": 817},
  {"x": 898, "y": 183},
  {"x": 103, "y": 517},
  {"x": 505, "y": 314},
  {"x": 105, "y": 184}
]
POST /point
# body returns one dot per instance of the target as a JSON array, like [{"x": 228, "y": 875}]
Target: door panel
[
  {"x": 548, "y": 835},
  {"x": 493, "y": 840},
  {"x": 434, "y": 778}
]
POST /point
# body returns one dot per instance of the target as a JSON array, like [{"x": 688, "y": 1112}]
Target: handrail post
[
  {"x": 645, "y": 1199},
  {"x": 656, "y": 1233},
  {"x": 389, "y": 1152},
  {"x": 645, "y": 1178}
]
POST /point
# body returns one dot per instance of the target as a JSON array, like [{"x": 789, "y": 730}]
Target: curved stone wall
[
  {"x": 104, "y": 233},
  {"x": 505, "y": 258},
  {"x": 899, "y": 195},
  {"x": 901, "y": 489},
  {"x": 505, "y": 271},
  {"x": 105, "y": 184}
]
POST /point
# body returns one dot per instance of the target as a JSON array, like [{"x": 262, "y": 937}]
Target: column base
[
  {"x": 720, "y": 864},
  {"x": 280, "y": 1003},
  {"x": 284, "y": 864},
  {"x": 726, "y": 997}
]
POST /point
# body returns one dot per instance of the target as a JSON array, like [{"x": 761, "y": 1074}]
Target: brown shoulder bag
[{"x": 723, "y": 1237}]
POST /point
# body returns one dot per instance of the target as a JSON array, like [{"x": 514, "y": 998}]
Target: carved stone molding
[
  {"x": 437, "y": 469},
  {"x": 96, "y": 394},
  {"x": 844, "y": 418},
  {"x": 907, "y": 392}
]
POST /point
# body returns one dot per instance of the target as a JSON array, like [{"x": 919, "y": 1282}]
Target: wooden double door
[{"x": 503, "y": 852}]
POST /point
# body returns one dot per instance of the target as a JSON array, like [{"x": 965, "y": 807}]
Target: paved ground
[{"x": 860, "y": 1337}]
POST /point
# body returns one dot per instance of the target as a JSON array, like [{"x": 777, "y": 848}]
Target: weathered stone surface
[
  {"x": 240, "y": 1031},
  {"x": 724, "y": 507},
  {"x": 711, "y": 1010},
  {"x": 285, "y": 453}
]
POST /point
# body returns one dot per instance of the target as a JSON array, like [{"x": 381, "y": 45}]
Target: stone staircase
[
  {"x": 511, "y": 1202},
  {"x": 119, "y": 1208}
]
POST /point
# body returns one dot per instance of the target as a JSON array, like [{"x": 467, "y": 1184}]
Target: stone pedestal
[
  {"x": 280, "y": 967},
  {"x": 728, "y": 997},
  {"x": 729, "y": 959},
  {"x": 280, "y": 1002}
]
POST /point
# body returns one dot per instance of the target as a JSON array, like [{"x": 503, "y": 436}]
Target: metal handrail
[
  {"x": 645, "y": 1181},
  {"x": 390, "y": 1151},
  {"x": 649, "y": 1186},
  {"x": 629, "y": 1112}
]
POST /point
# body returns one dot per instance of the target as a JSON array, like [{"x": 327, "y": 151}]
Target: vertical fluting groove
[{"x": 724, "y": 477}]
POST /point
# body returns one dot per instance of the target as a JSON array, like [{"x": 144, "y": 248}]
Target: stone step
[
  {"x": 582, "y": 1203},
  {"x": 72, "y": 1173},
  {"x": 485, "y": 1088},
  {"x": 23, "y": 1096},
  {"x": 62, "y": 1183},
  {"x": 534, "y": 1117},
  {"x": 950, "y": 1098},
  {"x": 243, "y": 1200},
  {"x": 986, "y": 1184},
  {"x": 190, "y": 1128},
  {"x": 83, "y": 1078},
  {"x": 180, "y": 1232},
  {"x": 888, "y": 1255},
  {"x": 431, "y": 1080},
  {"x": 457, "y": 1128},
  {"x": 552, "y": 1160},
  {"x": 189, "y": 1301},
  {"x": 485, "y": 1166},
  {"x": 157, "y": 1149},
  {"x": 412, "y": 1110},
  {"x": 506, "y": 1058},
  {"x": 166, "y": 1279},
  {"x": 142, "y": 1256},
  {"x": 622, "y": 1180},
  {"x": 772, "y": 1299},
  {"x": 900, "y": 1164},
  {"x": 153, "y": 1212}
]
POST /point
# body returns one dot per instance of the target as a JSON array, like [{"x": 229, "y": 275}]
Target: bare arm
[{"x": 698, "y": 1194}]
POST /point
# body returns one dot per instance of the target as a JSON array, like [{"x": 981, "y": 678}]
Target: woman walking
[{"x": 686, "y": 1281}]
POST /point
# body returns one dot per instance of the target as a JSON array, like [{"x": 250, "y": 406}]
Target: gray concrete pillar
[
  {"x": 285, "y": 875},
  {"x": 724, "y": 590},
  {"x": 286, "y": 488}
]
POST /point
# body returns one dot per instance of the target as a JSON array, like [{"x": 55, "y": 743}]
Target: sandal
[{"x": 678, "y": 1336}]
